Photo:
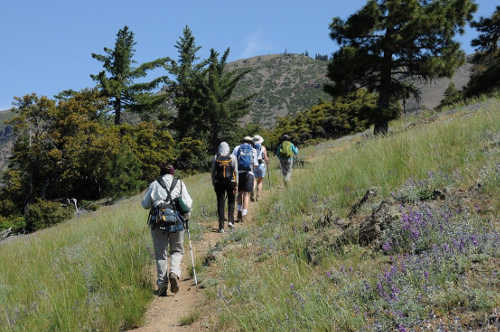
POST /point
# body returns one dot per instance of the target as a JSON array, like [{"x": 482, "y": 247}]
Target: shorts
[
  {"x": 245, "y": 182},
  {"x": 260, "y": 171}
]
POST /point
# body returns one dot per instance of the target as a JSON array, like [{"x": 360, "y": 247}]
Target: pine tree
[
  {"x": 222, "y": 112},
  {"x": 486, "y": 76},
  {"x": 489, "y": 34},
  {"x": 186, "y": 86},
  {"x": 451, "y": 96},
  {"x": 388, "y": 42},
  {"x": 119, "y": 86}
]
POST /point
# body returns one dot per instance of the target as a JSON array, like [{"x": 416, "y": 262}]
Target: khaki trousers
[{"x": 175, "y": 243}]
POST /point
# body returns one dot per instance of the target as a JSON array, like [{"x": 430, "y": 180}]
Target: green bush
[{"x": 42, "y": 214}]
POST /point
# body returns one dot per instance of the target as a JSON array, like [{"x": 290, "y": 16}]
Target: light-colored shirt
[{"x": 156, "y": 194}]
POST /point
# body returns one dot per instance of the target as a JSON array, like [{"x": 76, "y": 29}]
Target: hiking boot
[
  {"x": 239, "y": 217},
  {"x": 230, "y": 224},
  {"x": 221, "y": 230},
  {"x": 162, "y": 291},
  {"x": 174, "y": 282}
]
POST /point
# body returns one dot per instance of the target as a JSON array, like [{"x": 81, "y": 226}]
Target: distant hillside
[
  {"x": 285, "y": 84},
  {"x": 432, "y": 92},
  {"x": 288, "y": 83}
]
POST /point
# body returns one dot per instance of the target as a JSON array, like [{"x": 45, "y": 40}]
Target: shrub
[{"x": 42, "y": 214}]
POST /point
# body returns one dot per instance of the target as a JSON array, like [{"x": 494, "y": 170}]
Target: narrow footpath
[{"x": 166, "y": 313}]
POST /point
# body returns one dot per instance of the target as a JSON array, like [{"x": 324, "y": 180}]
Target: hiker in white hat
[{"x": 262, "y": 160}]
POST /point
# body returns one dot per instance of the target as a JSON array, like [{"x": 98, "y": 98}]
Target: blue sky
[{"x": 46, "y": 45}]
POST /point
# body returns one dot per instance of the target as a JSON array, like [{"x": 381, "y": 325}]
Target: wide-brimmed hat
[
  {"x": 247, "y": 139},
  {"x": 258, "y": 139}
]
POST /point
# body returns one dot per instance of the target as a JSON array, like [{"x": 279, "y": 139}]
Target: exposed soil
[{"x": 166, "y": 313}]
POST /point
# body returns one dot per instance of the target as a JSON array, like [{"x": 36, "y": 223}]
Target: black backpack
[
  {"x": 165, "y": 215},
  {"x": 224, "y": 170}
]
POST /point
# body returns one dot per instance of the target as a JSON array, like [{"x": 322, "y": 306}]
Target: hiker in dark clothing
[
  {"x": 225, "y": 181},
  {"x": 286, "y": 152}
]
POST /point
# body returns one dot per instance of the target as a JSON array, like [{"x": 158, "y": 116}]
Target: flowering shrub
[{"x": 431, "y": 250}]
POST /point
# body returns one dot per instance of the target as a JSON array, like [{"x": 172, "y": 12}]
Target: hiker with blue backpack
[
  {"x": 225, "y": 181},
  {"x": 246, "y": 156},
  {"x": 260, "y": 171},
  {"x": 286, "y": 152}
]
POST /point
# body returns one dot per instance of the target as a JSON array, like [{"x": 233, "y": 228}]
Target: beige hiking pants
[{"x": 161, "y": 241}]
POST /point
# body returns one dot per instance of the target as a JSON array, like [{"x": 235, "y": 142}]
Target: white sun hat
[{"x": 258, "y": 139}]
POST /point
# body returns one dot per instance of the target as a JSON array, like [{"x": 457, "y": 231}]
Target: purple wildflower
[{"x": 387, "y": 246}]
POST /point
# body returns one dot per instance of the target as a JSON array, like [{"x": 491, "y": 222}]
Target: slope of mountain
[
  {"x": 284, "y": 84},
  {"x": 289, "y": 83}
]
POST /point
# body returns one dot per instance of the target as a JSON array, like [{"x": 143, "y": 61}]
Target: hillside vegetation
[
  {"x": 283, "y": 83},
  {"x": 406, "y": 259},
  {"x": 93, "y": 272},
  {"x": 89, "y": 274}
]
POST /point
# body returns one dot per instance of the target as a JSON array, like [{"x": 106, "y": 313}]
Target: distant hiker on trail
[
  {"x": 286, "y": 151},
  {"x": 246, "y": 156},
  {"x": 263, "y": 160},
  {"x": 170, "y": 205},
  {"x": 225, "y": 181}
]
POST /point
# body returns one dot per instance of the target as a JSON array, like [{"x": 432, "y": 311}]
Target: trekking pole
[
  {"x": 192, "y": 255},
  {"x": 269, "y": 175}
]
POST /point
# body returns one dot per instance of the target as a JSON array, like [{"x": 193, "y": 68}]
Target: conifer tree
[
  {"x": 388, "y": 42},
  {"x": 451, "y": 96},
  {"x": 486, "y": 76},
  {"x": 221, "y": 112},
  {"x": 186, "y": 86},
  {"x": 202, "y": 92},
  {"x": 489, "y": 33},
  {"x": 117, "y": 79}
]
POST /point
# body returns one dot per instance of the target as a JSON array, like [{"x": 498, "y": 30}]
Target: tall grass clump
[
  {"x": 92, "y": 273},
  {"x": 418, "y": 277}
]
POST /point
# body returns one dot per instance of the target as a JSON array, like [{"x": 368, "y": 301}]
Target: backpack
[
  {"x": 245, "y": 156},
  {"x": 286, "y": 150},
  {"x": 258, "y": 147},
  {"x": 224, "y": 170},
  {"x": 165, "y": 215}
]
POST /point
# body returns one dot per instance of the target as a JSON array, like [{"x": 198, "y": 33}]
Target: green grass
[
  {"x": 280, "y": 291},
  {"x": 92, "y": 273},
  {"x": 190, "y": 318}
]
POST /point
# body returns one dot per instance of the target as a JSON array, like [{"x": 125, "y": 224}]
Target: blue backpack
[{"x": 245, "y": 156}]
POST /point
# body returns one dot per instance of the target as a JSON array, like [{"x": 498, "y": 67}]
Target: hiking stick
[
  {"x": 269, "y": 175},
  {"x": 192, "y": 255}
]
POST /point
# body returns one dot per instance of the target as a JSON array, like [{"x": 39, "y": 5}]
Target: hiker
[
  {"x": 225, "y": 181},
  {"x": 170, "y": 205},
  {"x": 263, "y": 161},
  {"x": 246, "y": 156},
  {"x": 286, "y": 151}
]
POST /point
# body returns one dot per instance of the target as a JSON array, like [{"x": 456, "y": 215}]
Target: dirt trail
[{"x": 165, "y": 313}]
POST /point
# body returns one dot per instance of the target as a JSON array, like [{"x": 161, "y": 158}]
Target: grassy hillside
[
  {"x": 89, "y": 274},
  {"x": 436, "y": 261}
]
